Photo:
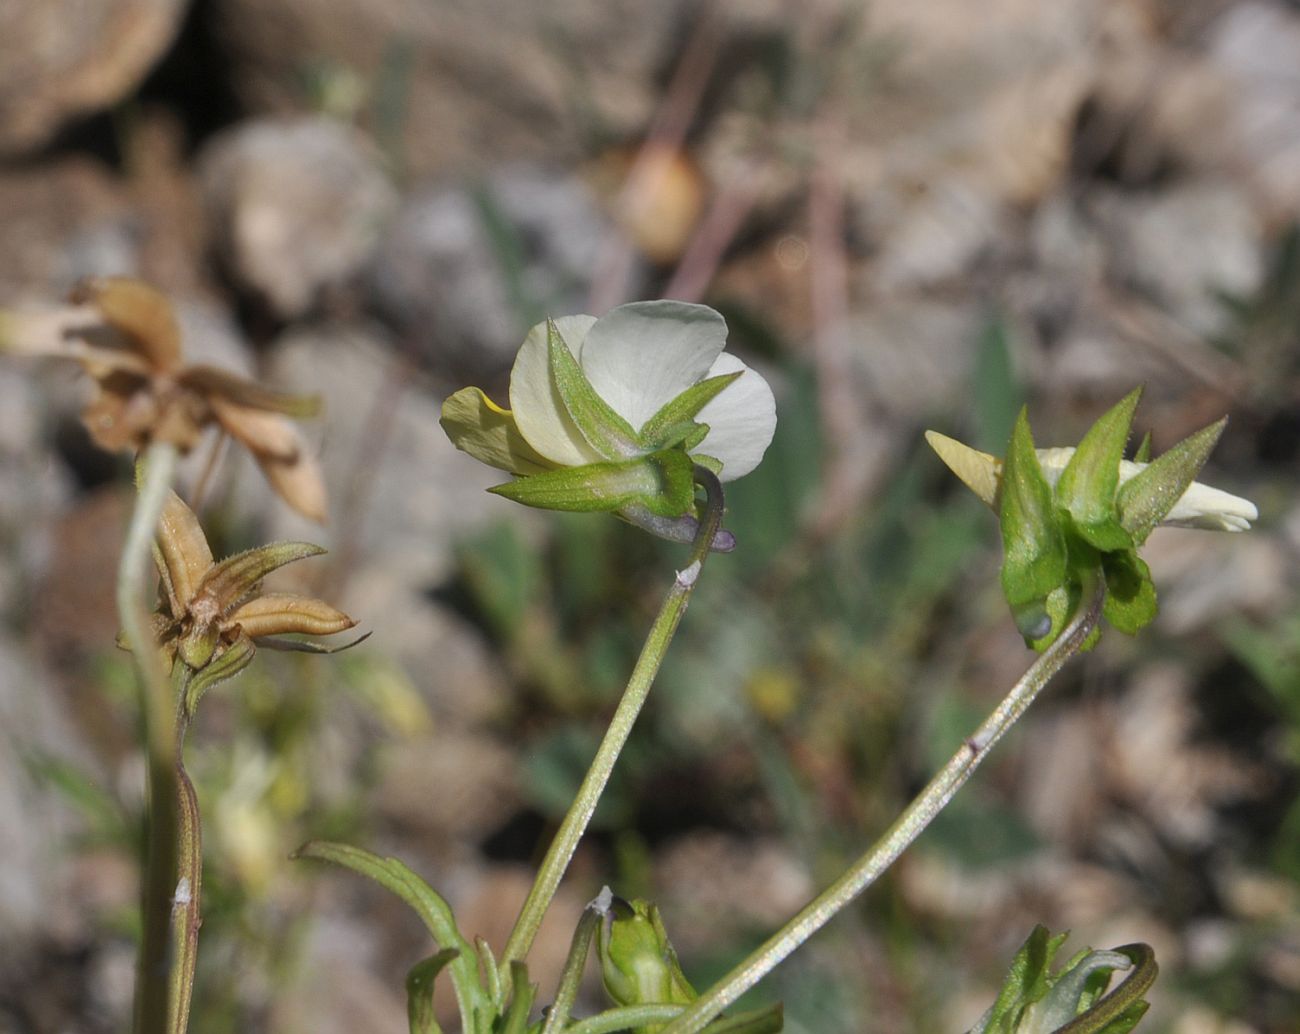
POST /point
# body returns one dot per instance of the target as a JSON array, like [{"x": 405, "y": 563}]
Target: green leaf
[
  {"x": 663, "y": 482},
  {"x": 1130, "y": 603},
  {"x": 664, "y": 428},
  {"x": 1143, "y": 452},
  {"x": 419, "y": 991},
  {"x": 1149, "y": 495},
  {"x": 515, "y": 1020},
  {"x": 1034, "y": 556},
  {"x": 606, "y": 432},
  {"x": 1087, "y": 487},
  {"x": 426, "y": 902}
]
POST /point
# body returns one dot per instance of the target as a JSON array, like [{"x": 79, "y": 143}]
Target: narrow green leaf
[
  {"x": 515, "y": 1020},
  {"x": 426, "y": 902},
  {"x": 419, "y": 991},
  {"x": 1130, "y": 603},
  {"x": 769, "y": 1019},
  {"x": 1143, "y": 453},
  {"x": 606, "y": 432},
  {"x": 660, "y": 428},
  {"x": 1090, "y": 480},
  {"x": 1028, "y": 979},
  {"x": 1149, "y": 495},
  {"x": 1034, "y": 556}
]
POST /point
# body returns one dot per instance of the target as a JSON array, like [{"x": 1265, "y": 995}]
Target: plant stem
[
  {"x": 558, "y": 1016},
  {"x": 906, "y": 828},
  {"x": 153, "y": 986},
  {"x": 647, "y": 666}
]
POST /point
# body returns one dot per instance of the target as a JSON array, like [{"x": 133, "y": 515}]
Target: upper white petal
[
  {"x": 1201, "y": 506},
  {"x": 538, "y": 409},
  {"x": 742, "y": 419},
  {"x": 642, "y": 355}
]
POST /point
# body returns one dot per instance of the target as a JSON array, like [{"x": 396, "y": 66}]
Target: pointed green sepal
[
  {"x": 1034, "y": 556},
  {"x": 664, "y": 429},
  {"x": 1149, "y": 495},
  {"x": 1130, "y": 603},
  {"x": 1143, "y": 452},
  {"x": 225, "y": 665},
  {"x": 1088, "y": 485},
  {"x": 662, "y": 482},
  {"x": 237, "y": 576},
  {"x": 420, "y": 979},
  {"x": 605, "y": 431}
]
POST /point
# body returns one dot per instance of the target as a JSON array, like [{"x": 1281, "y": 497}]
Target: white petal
[
  {"x": 641, "y": 355},
  {"x": 538, "y": 410},
  {"x": 742, "y": 420}
]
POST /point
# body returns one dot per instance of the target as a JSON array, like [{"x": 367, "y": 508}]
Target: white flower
[
  {"x": 1199, "y": 507},
  {"x": 637, "y": 358}
]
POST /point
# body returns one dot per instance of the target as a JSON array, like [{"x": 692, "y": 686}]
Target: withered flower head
[
  {"x": 125, "y": 336},
  {"x": 213, "y": 614}
]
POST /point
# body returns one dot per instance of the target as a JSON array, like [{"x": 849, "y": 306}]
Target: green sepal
[
  {"x": 1143, "y": 452},
  {"x": 225, "y": 665},
  {"x": 662, "y": 482},
  {"x": 1145, "y": 499},
  {"x": 1088, "y": 485},
  {"x": 1034, "y": 554},
  {"x": 420, "y": 979},
  {"x": 637, "y": 962},
  {"x": 605, "y": 431},
  {"x": 661, "y": 430},
  {"x": 1130, "y": 603},
  {"x": 237, "y": 576}
]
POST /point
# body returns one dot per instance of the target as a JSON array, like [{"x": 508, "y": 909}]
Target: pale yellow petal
[
  {"x": 978, "y": 470},
  {"x": 477, "y": 425}
]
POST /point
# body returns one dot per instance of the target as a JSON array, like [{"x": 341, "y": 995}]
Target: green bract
[
  {"x": 1072, "y": 516},
  {"x": 614, "y": 414}
]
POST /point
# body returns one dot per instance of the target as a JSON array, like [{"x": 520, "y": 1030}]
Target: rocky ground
[{"x": 913, "y": 215}]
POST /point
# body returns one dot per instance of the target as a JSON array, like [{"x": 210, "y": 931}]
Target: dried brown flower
[{"x": 125, "y": 335}]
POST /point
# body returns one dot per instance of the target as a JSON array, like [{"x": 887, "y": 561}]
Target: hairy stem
[
  {"x": 153, "y": 984},
  {"x": 917, "y": 816},
  {"x": 647, "y": 666}
]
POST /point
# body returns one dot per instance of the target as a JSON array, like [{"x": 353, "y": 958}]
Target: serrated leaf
[
  {"x": 1149, "y": 495},
  {"x": 664, "y": 429},
  {"x": 1088, "y": 485},
  {"x": 1034, "y": 555},
  {"x": 605, "y": 431},
  {"x": 1130, "y": 603}
]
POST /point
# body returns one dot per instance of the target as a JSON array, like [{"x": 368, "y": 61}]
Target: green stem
[
  {"x": 626, "y": 1018},
  {"x": 647, "y": 666},
  {"x": 185, "y": 913},
  {"x": 153, "y": 984},
  {"x": 918, "y": 815}
]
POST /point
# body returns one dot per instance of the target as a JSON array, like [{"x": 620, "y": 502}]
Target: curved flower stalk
[
  {"x": 1068, "y": 511},
  {"x": 614, "y": 413},
  {"x": 125, "y": 336}
]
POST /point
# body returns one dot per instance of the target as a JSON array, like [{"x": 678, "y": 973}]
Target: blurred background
[{"x": 912, "y": 215}]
